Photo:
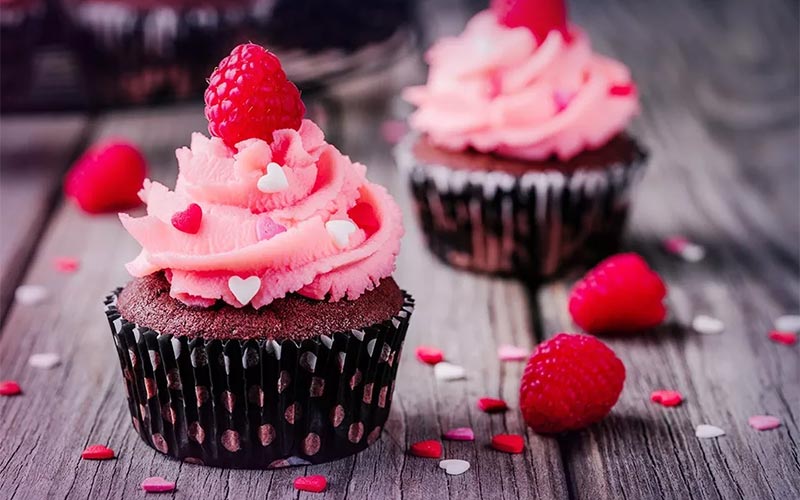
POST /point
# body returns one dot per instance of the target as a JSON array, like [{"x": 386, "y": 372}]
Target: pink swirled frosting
[
  {"x": 494, "y": 89},
  {"x": 320, "y": 229}
]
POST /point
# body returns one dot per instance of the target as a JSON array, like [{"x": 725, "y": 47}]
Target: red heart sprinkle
[
  {"x": 189, "y": 220},
  {"x": 427, "y": 449},
  {"x": 107, "y": 178},
  {"x": 314, "y": 484},
  {"x": 97, "y": 452},
  {"x": 66, "y": 264},
  {"x": 666, "y": 397},
  {"x": 429, "y": 355},
  {"x": 509, "y": 443},
  {"x": 492, "y": 405},
  {"x": 788, "y": 338},
  {"x": 623, "y": 89},
  {"x": 9, "y": 388}
]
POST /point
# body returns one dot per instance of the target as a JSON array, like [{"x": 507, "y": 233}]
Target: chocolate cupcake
[
  {"x": 263, "y": 328},
  {"x": 519, "y": 162}
]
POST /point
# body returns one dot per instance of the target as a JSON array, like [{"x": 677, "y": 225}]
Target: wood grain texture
[
  {"x": 720, "y": 115},
  {"x": 34, "y": 151}
]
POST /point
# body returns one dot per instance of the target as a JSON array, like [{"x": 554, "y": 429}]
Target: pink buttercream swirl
[
  {"x": 319, "y": 229},
  {"x": 494, "y": 89}
]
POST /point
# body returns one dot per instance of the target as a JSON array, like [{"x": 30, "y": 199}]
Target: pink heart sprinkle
[
  {"x": 157, "y": 484},
  {"x": 512, "y": 353},
  {"x": 267, "y": 228},
  {"x": 562, "y": 99},
  {"x": 66, "y": 264},
  {"x": 675, "y": 244},
  {"x": 764, "y": 422},
  {"x": 459, "y": 434}
]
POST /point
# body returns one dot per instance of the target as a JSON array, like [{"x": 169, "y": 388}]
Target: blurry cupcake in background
[
  {"x": 520, "y": 163},
  {"x": 263, "y": 327},
  {"x": 21, "y": 23}
]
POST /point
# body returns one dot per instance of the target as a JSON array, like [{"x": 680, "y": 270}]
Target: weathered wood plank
[
  {"x": 34, "y": 151},
  {"x": 722, "y": 126}
]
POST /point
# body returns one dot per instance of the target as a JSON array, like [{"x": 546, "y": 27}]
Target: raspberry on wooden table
[
  {"x": 249, "y": 96},
  {"x": 570, "y": 382}
]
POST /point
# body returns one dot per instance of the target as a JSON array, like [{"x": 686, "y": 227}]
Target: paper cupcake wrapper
[
  {"x": 532, "y": 227},
  {"x": 259, "y": 403}
]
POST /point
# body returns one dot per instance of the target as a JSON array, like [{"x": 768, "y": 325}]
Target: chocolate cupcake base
[
  {"x": 259, "y": 404},
  {"x": 519, "y": 219}
]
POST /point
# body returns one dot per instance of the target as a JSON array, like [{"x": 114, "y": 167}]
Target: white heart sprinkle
[
  {"x": 44, "y": 360},
  {"x": 707, "y": 325},
  {"x": 788, "y": 323},
  {"x": 693, "y": 252},
  {"x": 244, "y": 289},
  {"x": 454, "y": 467},
  {"x": 512, "y": 353},
  {"x": 30, "y": 294},
  {"x": 449, "y": 371},
  {"x": 340, "y": 231},
  {"x": 274, "y": 181},
  {"x": 705, "y": 431}
]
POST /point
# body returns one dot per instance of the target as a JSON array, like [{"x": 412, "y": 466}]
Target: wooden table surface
[{"x": 719, "y": 83}]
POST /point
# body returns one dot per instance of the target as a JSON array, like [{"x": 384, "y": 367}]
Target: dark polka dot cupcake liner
[
  {"x": 532, "y": 227},
  {"x": 259, "y": 404}
]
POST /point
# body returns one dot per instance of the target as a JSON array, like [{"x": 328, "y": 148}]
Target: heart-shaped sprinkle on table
[
  {"x": 66, "y": 264},
  {"x": 313, "y": 484},
  {"x": 509, "y": 443},
  {"x": 788, "y": 323},
  {"x": 685, "y": 249},
  {"x": 274, "y": 181},
  {"x": 492, "y": 405},
  {"x": 666, "y": 397},
  {"x": 340, "y": 231},
  {"x": 786, "y": 338},
  {"x": 454, "y": 467},
  {"x": 705, "y": 431},
  {"x": 764, "y": 422},
  {"x": 426, "y": 449},
  {"x": 189, "y": 220},
  {"x": 707, "y": 325},
  {"x": 459, "y": 434},
  {"x": 429, "y": 355},
  {"x": 44, "y": 360},
  {"x": 31, "y": 294},
  {"x": 244, "y": 289},
  {"x": 97, "y": 452},
  {"x": 512, "y": 353},
  {"x": 157, "y": 484},
  {"x": 449, "y": 372},
  {"x": 267, "y": 228},
  {"x": 9, "y": 388}
]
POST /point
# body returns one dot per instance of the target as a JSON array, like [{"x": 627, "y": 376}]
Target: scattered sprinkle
[
  {"x": 454, "y": 467},
  {"x": 705, "y": 431},
  {"x": 30, "y": 294},
  {"x": 426, "y": 449},
  {"x": 189, "y": 220},
  {"x": 97, "y": 452},
  {"x": 267, "y": 228},
  {"x": 157, "y": 484},
  {"x": 393, "y": 130},
  {"x": 788, "y": 323},
  {"x": 787, "y": 338},
  {"x": 460, "y": 434},
  {"x": 313, "y": 484},
  {"x": 9, "y": 388},
  {"x": 274, "y": 181},
  {"x": 508, "y": 352},
  {"x": 685, "y": 249},
  {"x": 666, "y": 397},
  {"x": 340, "y": 231},
  {"x": 561, "y": 99},
  {"x": 707, "y": 325},
  {"x": 492, "y": 405},
  {"x": 44, "y": 360},
  {"x": 623, "y": 89},
  {"x": 764, "y": 422},
  {"x": 448, "y": 371},
  {"x": 429, "y": 355},
  {"x": 244, "y": 289},
  {"x": 66, "y": 264},
  {"x": 509, "y": 443}
]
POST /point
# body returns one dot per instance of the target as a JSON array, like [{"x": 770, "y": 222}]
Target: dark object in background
[
  {"x": 149, "y": 51},
  {"x": 21, "y": 24}
]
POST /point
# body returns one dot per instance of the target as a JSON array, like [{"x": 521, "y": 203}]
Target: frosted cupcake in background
[
  {"x": 519, "y": 161},
  {"x": 263, "y": 327}
]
